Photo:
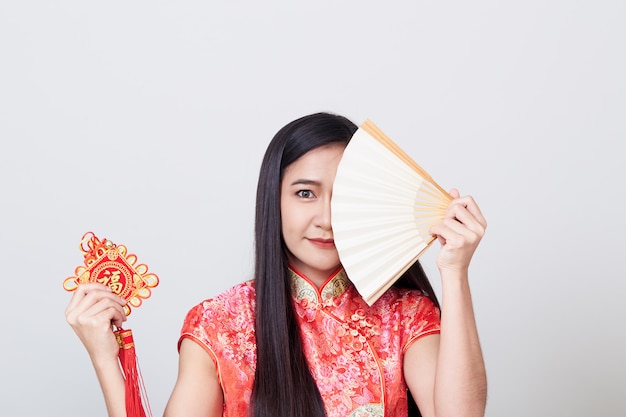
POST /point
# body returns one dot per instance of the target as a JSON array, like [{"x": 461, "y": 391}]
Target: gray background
[{"x": 145, "y": 122}]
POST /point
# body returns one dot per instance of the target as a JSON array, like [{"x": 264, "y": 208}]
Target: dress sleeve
[
  {"x": 224, "y": 325},
  {"x": 198, "y": 327},
  {"x": 421, "y": 318},
  {"x": 192, "y": 325}
]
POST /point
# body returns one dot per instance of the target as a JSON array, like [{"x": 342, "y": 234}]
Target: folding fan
[{"x": 383, "y": 206}]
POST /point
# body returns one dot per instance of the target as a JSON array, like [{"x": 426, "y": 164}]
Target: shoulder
[
  {"x": 233, "y": 309},
  {"x": 235, "y": 296},
  {"x": 413, "y": 311},
  {"x": 407, "y": 301}
]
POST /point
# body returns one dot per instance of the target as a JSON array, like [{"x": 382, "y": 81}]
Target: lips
[{"x": 323, "y": 243}]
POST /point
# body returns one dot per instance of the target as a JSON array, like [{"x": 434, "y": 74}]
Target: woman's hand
[
  {"x": 459, "y": 233},
  {"x": 92, "y": 312}
]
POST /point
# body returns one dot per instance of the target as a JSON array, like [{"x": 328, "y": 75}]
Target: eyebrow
[{"x": 303, "y": 181}]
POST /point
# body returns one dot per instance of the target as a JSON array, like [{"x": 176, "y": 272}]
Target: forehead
[{"x": 323, "y": 159}]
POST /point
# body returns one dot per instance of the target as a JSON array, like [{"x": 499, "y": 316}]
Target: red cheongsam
[{"x": 355, "y": 352}]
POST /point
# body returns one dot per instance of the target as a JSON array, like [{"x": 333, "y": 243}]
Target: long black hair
[{"x": 283, "y": 384}]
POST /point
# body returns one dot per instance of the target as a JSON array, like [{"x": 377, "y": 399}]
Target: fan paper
[
  {"x": 383, "y": 206},
  {"x": 110, "y": 264}
]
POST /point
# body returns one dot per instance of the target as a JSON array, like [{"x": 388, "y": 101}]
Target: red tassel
[{"x": 135, "y": 389}]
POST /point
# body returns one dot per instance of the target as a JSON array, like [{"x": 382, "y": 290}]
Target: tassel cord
[{"x": 136, "y": 398}]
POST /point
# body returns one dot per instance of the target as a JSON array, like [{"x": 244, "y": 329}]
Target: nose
[{"x": 323, "y": 218}]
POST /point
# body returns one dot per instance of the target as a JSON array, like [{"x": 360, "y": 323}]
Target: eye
[{"x": 305, "y": 194}]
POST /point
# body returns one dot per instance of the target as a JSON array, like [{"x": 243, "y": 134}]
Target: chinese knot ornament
[{"x": 111, "y": 264}]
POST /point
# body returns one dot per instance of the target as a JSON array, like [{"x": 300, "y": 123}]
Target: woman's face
[{"x": 305, "y": 195}]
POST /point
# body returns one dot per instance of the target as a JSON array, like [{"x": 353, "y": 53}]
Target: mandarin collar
[{"x": 303, "y": 289}]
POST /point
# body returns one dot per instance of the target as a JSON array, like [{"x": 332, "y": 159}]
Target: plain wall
[{"x": 145, "y": 122}]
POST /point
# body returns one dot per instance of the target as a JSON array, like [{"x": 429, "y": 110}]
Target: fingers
[
  {"x": 468, "y": 203},
  {"x": 95, "y": 305},
  {"x": 80, "y": 293},
  {"x": 460, "y": 218},
  {"x": 460, "y": 231},
  {"x": 453, "y": 233}
]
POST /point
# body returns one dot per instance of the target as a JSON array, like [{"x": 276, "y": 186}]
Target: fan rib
[
  {"x": 378, "y": 134},
  {"x": 375, "y": 295}
]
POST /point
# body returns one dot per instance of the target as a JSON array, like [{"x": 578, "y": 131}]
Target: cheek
[
  {"x": 295, "y": 220},
  {"x": 291, "y": 234},
  {"x": 288, "y": 218}
]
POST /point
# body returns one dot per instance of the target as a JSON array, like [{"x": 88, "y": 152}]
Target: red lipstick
[{"x": 323, "y": 243}]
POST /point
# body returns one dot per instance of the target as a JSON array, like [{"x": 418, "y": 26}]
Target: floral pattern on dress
[{"x": 355, "y": 351}]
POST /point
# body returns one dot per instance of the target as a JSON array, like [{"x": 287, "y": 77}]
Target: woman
[{"x": 298, "y": 340}]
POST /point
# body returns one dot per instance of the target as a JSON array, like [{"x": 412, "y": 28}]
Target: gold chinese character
[{"x": 112, "y": 279}]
